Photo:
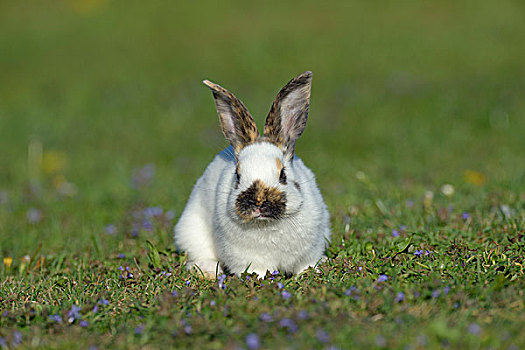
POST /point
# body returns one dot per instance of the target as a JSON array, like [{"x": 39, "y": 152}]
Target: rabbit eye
[{"x": 282, "y": 177}]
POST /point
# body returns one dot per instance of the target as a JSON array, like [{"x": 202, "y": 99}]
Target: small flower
[
  {"x": 447, "y": 190},
  {"x": 395, "y": 233},
  {"x": 130, "y": 275},
  {"x": 143, "y": 176},
  {"x": 465, "y": 216},
  {"x": 221, "y": 280},
  {"x": 427, "y": 253},
  {"x": 360, "y": 268},
  {"x": 188, "y": 329},
  {"x": 436, "y": 293},
  {"x": 288, "y": 323},
  {"x": 286, "y": 295},
  {"x": 252, "y": 341},
  {"x": 95, "y": 309},
  {"x": 140, "y": 329},
  {"x": 380, "y": 341},
  {"x": 147, "y": 225},
  {"x": 110, "y": 229},
  {"x": 213, "y": 303},
  {"x": 121, "y": 256},
  {"x": 74, "y": 313},
  {"x": 302, "y": 315},
  {"x": 8, "y": 261},
  {"x": 188, "y": 282},
  {"x": 103, "y": 301},
  {"x": 175, "y": 293},
  {"x": 84, "y": 323},
  {"x": 121, "y": 268},
  {"x": 17, "y": 338},
  {"x": 34, "y": 216},
  {"x": 474, "y": 328},
  {"x": 153, "y": 211},
  {"x": 382, "y": 278},
  {"x": 446, "y": 289},
  {"x": 280, "y": 285},
  {"x": 265, "y": 317},
  {"x": 400, "y": 297},
  {"x": 418, "y": 252},
  {"x": 322, "y": 336},
  {"x": 55, "y": 318}
]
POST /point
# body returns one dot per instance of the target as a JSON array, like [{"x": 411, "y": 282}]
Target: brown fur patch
[
  {"x": 270, "y": 201},
  {"x": 279, "y": 165},
  {"x": 237, "y": 123},
  {"x": 289, "y": 112}
]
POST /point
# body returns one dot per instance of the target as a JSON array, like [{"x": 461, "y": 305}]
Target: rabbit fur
[{"x": 257, "y": 207}]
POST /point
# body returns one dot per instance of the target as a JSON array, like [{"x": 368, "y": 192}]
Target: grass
[{"x": 105, "y": 126}]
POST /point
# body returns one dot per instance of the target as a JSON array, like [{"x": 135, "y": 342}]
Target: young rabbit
[{"x": 257, "y": 207}]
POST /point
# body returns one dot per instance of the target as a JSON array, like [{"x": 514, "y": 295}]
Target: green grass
[{"x": 407, "y": 97}]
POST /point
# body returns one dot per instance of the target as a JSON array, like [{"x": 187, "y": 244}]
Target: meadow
[{"x": 415, "y": 134}]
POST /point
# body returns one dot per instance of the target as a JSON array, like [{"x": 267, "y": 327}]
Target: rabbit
[{"x": 257, "y": 207}]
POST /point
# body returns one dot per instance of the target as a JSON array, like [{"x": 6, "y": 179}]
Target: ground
[{"x": 415, "y": 135}]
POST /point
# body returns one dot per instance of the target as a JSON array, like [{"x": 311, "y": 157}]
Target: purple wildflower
[
  {"x": 55, "y": 318},
  {"x": 322, "y": 336},
  {"x": 446, "y": 289},
  {"x": 130, "y": 275},
  {"x": 403, "y": 228},
  {"x": 17, "y": 338},
  {"x": 153, "y": 211},
  {"x": 34, "y": 216},
  {"x": 350, "y": 291},
  {"x": 3, "y": 343},
  {"x": 140, "y": 329},
  {"x": 103, "y": 301},
  {"x": 266, "y": 317},
  {"x": 170, "y": 215},
  {"x": 280, "y": 285},
  {"x": 288, "y": 323},
  {"x": 418, "y": 252},
  {"x": 380, "y": 341},
  {"x": 121, "y": 268},
  {"x": 213, "y": 303},
  {"x": 188, "y": 329},
  {"x": 110, "y": 229},
  {"x": 427, "y": 252},
  {"x": 395, "y": 233},
  {"x": 147, "y": 225},
  {"x": 474, "y": 328},
  {"x": 121, "y": 256},
  {"x": 175, "y": 293},
  {"x": 73, "y": 314},
  {"x": 382, "y": 278},
  {"x": 286, "y": 295},
  {"x": 143, "y": 176},
  {"x": 221, "y": 280},
  {"x": 465, "y": 216},
  {"x": 84, "y": 323},
  {"x": 252, "y": 341},
  {"x": 95, "y": 309},
  {"x": 302, "y": 315},
  {"x": 436, "y": 293},
  {"x": 400, "y": 297},
  {"x": 360, "y": 268}
]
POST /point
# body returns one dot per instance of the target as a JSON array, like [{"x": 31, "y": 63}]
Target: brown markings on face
[
  {"x": 279, "y": 165},
  {"x": 270, "y": 202}
]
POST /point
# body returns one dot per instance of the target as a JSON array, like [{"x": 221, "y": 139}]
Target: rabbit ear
[
  {"x": 237, "y": 123},
  {"x": 287, "y": 117}
]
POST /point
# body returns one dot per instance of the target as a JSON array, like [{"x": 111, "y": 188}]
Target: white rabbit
[{"x": 257, "y": 207}]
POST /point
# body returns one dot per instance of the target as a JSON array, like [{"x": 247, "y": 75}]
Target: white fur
[{"x": 210, "y": 230}]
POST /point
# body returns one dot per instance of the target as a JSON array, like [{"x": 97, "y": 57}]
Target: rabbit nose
[{"x": 257, "y": 211}]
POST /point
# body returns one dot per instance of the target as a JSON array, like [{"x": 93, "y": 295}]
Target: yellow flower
[
  {"x": 8, "y": 261},
  {"x": 474, "y": 177},
  {"x": 53, "y": 162}
]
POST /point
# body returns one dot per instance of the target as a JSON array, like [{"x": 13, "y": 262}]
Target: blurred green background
[{"x": 411, "y": 94}]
